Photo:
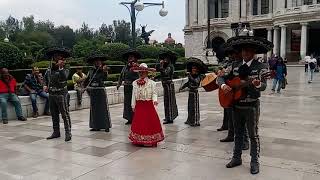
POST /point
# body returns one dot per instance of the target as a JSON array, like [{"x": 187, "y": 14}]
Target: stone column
[
  {"x": 259, "y": 7},
  {"x": 283, "y": 42},
  {"x": 270, "y": 6},
  {"x": 250, "y": 7},
  {"x": 243, "y": 9},
  {"x": 269, "y": 39},
  {"x": 276, "y": 41},
  {"x": 219, "y": 8},
  {"x": 195, "y": 12},
  {"x": 315, "y": 2},
  {"x": 187, "y": 13},
  {"x": 289, "y": 3},
  {"x": 304, "y": 37}
]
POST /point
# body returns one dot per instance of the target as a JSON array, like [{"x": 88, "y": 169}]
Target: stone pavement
[{"x": 289, "y": 131}]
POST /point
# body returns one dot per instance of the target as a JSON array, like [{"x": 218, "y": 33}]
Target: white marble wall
[{"x": 114, "y": 97}]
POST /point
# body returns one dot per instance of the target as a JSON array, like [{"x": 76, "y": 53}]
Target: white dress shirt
[{"x": 146, "y": 92}]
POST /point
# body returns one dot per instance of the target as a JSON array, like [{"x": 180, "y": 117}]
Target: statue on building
[
  {"x": 169, "y": 40},
  {"x": 145, "y": 35}
]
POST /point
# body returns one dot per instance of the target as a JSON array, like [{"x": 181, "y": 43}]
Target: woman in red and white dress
[{"x": 146, "y": 128}]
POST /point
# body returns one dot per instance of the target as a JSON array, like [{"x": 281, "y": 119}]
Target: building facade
[{"x": 292, "y": 25}]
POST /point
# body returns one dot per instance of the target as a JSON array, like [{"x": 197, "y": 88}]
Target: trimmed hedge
[
  {"x": 148, "y": 61},
  {"x": 114, "y": 50},
  {"x": 10, "y": 56}
]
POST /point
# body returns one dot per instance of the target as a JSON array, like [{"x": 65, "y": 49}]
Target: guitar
[{"x": 237, "y": 84}]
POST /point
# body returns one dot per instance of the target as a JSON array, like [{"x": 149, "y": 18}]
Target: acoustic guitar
[{"x": 237, "y": 84}]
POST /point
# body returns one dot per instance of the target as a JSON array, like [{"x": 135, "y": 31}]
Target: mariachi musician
[
  {"x": 127, "y": 77},
  {"x": 56, "y": 84},
  {"x": 99, "y": 109},
  {"x": 166, "y": 68},
  {"x": 196, "y": 72},
  {"x": 235, "y": 57},
  {"x": 247, "y": 108}
]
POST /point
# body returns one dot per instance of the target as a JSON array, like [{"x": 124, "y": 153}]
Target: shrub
[
  {"x": 114, "y": 50},
  {"x": 180, "y": 51},
  {"x": 10, "y": 56},
  {"x": 41, "y": 64},
  {"x": 148, "y": 51},
  {"x": 148, "y": 61},
  {"x": 113, "y": 77},
  {"x": 114, "y": 62},
  {"x": 182, "y": 59}
]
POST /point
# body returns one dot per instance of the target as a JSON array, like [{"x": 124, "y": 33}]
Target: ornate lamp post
[
  {"x": 138, "y": 5},
  {"x": 242, "y": 27}
]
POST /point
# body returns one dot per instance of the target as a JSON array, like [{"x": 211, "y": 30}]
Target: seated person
[
  {"x": 8, "y": 93},
  {"x": 78, "y": 79},
  {"x": 34, "y": 85}
]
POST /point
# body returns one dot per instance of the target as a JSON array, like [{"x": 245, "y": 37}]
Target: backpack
[{"x": 312, "y": 65}]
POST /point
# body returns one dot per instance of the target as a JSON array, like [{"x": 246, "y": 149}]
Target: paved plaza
[{"x": 289, "y": 131}]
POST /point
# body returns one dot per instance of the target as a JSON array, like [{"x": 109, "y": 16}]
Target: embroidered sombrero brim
[
  {"x": 94, "y": 57},
  {"x": 129, "y": 52},
  {"x": 65, "y": 52},
  {"x": 198, "y": 63},
  {"x": 142, "y": 69},
  {"x": 168, "y": 54},
  {"x": 260, "y": 45}
]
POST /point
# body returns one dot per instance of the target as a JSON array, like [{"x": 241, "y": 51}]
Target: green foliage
[
  {"x": 83, "y": 48},
  {"x": 148, "y": 51},
  {"x": 148, "y": 61},
  {"x": 182, "y": 59},
  {"x": 114, "y": 50},
  {"x": 41, "y": 64},
  {"x": 179, "y": 51},
  {"x": 114, "y": 62},
  {"x": 113, "y": 77},
  {"x": 10, "y": 56}
]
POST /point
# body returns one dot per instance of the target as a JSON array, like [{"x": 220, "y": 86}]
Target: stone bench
[{"x": 114, "y": 97}]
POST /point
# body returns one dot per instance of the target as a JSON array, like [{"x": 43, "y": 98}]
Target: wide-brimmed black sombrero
[
  {"x": 228, "y": 48},
  {"x": 65, "y": 52},
  {"x": 96, "y": 55},
  {"x": 129, "y": 52},
  {"x": 198, "y": 63},
  {"x": 260, "y": 45},
  {"x": 168, "y": 54}
]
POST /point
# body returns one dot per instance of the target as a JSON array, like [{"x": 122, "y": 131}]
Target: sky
[{"x": 96, "y": 12}]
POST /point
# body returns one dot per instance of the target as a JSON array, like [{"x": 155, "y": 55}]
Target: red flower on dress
[{"x": 141, "y": 82}]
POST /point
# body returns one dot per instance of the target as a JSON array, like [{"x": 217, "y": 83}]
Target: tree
[
  {"x": 28, "y": 23},
  {"x": 108, "y": 32},
  {"x": 65, "y": 36},
  {"x": 44, "y": 26},
  {"x": 83, "y": 48},
  {"x": 84, "y": 32},
  {"x": 122, "y": 31},
  {"x": 10, "y": 55}
]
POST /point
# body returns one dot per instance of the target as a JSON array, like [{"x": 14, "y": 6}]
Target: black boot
[
  {"x": 5, "y": 121},
  {"x": 55, "y": 134},
  {"x": 245, "y": 145},
  {"x": 222, "y": 129},
  {"x": 168, "y": 122},
  {"x": 227, "y": 139},
  {"x": 68, "y": 136},
  {"x": 255, "y": 167},
  {"x": 21, "y": 118},
  {"x": 234, "y": 163}
]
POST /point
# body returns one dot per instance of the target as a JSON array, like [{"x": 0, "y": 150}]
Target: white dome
[
  {"x": 139, "y": 6},
  {"x": 163, "y": 12}
]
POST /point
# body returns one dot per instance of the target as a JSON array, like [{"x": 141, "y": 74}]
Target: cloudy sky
[{"x": 96, "y": 12}]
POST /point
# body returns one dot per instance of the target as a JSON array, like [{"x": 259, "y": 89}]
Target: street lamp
[
  {"x": 242, "y": 27},
  {"x": 6, "y": 39},
  {"x": 138, "y": 5}
]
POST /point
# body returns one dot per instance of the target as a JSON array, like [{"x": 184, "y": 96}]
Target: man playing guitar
[{"x": 247, "y": 108}]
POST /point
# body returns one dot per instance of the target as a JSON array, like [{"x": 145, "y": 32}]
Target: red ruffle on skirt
[{"x": 146, "y": 127}]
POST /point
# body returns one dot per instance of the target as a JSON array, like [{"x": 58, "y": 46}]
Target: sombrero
[
  {"x": 198, "y": 63},
  {"x": 129, "y": 52},
  {"x": 142, "y": 68},
  {"x": 96, "y": 55},
  {"x": 65, "y": 52},
  {"x": 168, "y": 54},
  {"x": 260, "y": 45}
]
